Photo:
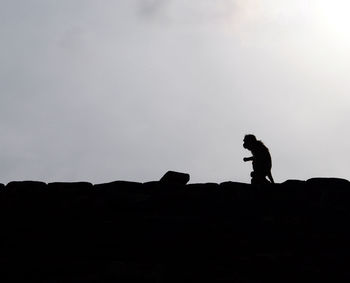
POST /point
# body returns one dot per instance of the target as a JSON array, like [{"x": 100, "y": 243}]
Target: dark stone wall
[{"x": 170, "y": 232}]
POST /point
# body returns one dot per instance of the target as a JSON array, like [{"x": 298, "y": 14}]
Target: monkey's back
[{"x": 262, "y": 162}]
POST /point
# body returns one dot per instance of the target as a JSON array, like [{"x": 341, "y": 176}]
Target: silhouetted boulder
[
  {"x": 121, "y": 195},
  {"x": 237, "y": 192},
  {"x": 229, "y": 185},
  {"x": 70, "y": 199},
  {"x": 293, "y": 183},
  {"x": 169, "y": 231},
  {"x": 334, "y": 194},
  {"x": 328, "y": 182},
  {"x": 175, "y": 178},
  {"x": 29, "y": 196},
  {"x": 153, "y": 186},
  {"x": 205, "y": 187},
  {"x": 294, "y": 191},
  {"x": 119, "y": 187},
  {"x": 70, "y": 188},
  {"x": 27, "y": 187}
]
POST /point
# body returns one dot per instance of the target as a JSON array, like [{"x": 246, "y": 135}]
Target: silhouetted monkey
[{"x": 261, "y": 160}]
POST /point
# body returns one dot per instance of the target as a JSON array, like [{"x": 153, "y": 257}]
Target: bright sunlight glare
[{"x": 335, "y": 20}]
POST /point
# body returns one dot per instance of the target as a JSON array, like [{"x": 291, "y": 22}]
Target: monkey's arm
[{"x": 245, "y": 159}]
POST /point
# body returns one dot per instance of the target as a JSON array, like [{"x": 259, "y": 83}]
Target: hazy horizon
[{"x": 129, "y": 89}]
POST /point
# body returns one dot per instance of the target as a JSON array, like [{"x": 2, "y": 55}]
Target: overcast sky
[{"x": 128, "y": 89}]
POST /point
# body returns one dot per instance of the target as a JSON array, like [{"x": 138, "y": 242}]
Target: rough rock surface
[{"x": 297, "y": 231}]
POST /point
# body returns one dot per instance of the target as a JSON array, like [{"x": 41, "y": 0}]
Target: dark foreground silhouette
[
  {"x": 261, "y": 160},
  {"x": 170, "y": 231}
]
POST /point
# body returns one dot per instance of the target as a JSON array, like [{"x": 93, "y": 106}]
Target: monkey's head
[{"x": 249, "y": 141}]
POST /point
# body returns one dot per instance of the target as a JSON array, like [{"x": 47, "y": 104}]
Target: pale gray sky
[{"x": 128, "y": 89}]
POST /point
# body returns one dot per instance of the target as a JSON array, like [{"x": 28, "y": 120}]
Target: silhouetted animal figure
[{"x": 261, "y": 160}]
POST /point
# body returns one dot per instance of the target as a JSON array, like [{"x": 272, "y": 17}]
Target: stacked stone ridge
[{"x": 172, "y": 231}]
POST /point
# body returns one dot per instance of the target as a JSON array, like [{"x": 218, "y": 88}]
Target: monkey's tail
[{"x": 270, "y": 177}]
